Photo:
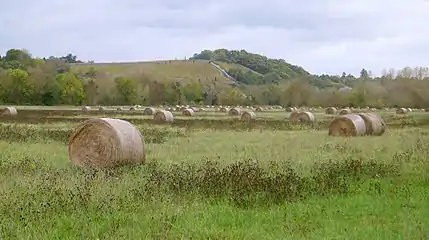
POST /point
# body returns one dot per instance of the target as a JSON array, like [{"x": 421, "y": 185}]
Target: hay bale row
[{"x": 360, "y": 124}]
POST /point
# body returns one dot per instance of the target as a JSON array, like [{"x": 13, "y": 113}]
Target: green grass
[
  {"x": 204, "y": 183},
  {"x": 183, "y": 71}
]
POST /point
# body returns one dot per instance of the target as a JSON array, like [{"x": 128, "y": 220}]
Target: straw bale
[
  {"x": 188, "y": 112},
  {"x": 86, "y": 109},
  {"x": 223, "y": 109},
  {"x": 306, "y": 117},
  {"x": 106, "y": 143},
  {"x": 162, "y": 116},
  {"x": 119, "y": 109},
  {"x": 401, "y": 111},
  {"x": 294, "y": 116},
  {"x": 149, "y": 111},
  {"x": 248, "y": 116},
  {"x": 234, "y": 112},
  {"x": 133, "y": 108},
  {"x": 290, "y": 109},
  {"x": 345, "y": 111},
  {"x": 330, "y": 111},
  {"x": 347, "y": 126},
  {"x": 8, "y": 111},
  {"x": 427, "y": 110},
  {"x": 195, "y": 109},
  {"x": 259, "y": 109},
  {"x": 409, "y": 109},
  {"x": 101, "y": 109},
  {"x": 374, "y": 124}
]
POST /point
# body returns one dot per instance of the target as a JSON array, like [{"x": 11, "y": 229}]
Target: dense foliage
[{"x": 25, "y": 80}]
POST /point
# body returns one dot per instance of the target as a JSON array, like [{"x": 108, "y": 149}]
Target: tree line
[{"x": 25, "y": 80}]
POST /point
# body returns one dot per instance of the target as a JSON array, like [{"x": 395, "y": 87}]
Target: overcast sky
[{"x": 323, "y": 36}]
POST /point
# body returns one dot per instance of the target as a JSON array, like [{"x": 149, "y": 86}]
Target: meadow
[{"x": 212, "y": 176}]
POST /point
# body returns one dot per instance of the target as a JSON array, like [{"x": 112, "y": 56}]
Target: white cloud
[{"x": 321, "y": 35}]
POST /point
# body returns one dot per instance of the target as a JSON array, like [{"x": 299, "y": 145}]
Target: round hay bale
[
  {"x": 162, "y": 116},
  {"x": 133, "y": 108},
  {"x": 330, "y": 111},
  {"x": 349, "y": 125},
  {"x": 86, "y": 109},
  {"x": 8, "y": 111},
  {"x": 234, "y": 112},
  {"x": 409, "y": 109},
  {"x": 248, "y": 116},
  {"x": 188, "y": 112},
  {"x": 294, "y": 116},
  {"x": 259, "y": 109},
  {"x": 290, "y": 109},
  {"x": 427, "y": 110},
  {"x": 149, "y": 111},
  {"x": 101, "y": 109},
  {"x": 106, "y": 143},
  {"x": 401, "y": 111},
  {"x": 223, "y": 110},
  {"x": 195, "y": 109},
  {"x": 374, "y": 124},
  {"x": 306, "y": 117},
  {"x": 119, "y": 109},
  {"x": 345, "y": 111}
]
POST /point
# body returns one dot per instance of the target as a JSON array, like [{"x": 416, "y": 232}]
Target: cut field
[
  {"x": 183, "y": 71},
  {"x": 212, "y": 176}
]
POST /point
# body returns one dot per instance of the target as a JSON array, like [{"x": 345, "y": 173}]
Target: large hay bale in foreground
[
  {"x": 106, "y": 143},
  {"x": 8, "y": 111},
  {"x": 149, "y": 111},
  {"x": 330, "y": 111},
  {"x": 188, "y": 112},
  {"x": 374, "y": 124},
  {"x": 234, "y": 112},
  {"x": 162, "y": 116},
  {"x": 248, "y": 116},
  {"x": 401, "y": 111},
  {"x": 306, "y": 117},
  {"x": 294, "y": 116},
  {"x": 349, "y": 125},
  {"x": 345, "y": 111}
]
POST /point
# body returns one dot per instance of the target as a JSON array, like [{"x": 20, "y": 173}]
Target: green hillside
[{"x": 183, "y": 71}]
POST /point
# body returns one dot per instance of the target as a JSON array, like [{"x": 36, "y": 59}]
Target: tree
[{"x": 127, "y": 90}]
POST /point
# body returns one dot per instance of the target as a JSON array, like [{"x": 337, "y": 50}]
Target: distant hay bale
[
  {"x": 133, "y": 108},
  {"x": 306, "y": 117},
  {"x": 294, "y": 116},
  {"x": 409, "y": 109},
  {"x": 349, "y": 125},
  {"x": 223, "y": 110},
  {"x": 234, "y": 112},
  {"x": 330, "y": 111},
  {"x": 188, "y": 112},
  {"x": 248, "y": 116},
  {"x": 119, "y": 109},
  {"x": 374, "y": 124},
  {"x": 86, "y": 109},
  {"x": 8, "y": 111},
  {"x": 259, "y": 109},
  {"x": 401, "y": 111},
  {"x": 101, "y": 109},
  {"x": 345, "y": 111},
  {"x": 106, "y": 143},
  {"x": 162, "y": 116},
  {"x": 290, "y": 109},
  {"x": 427, "y": 110},
  {"x": 195, "y": 109},
  {"x": 149, "y": 111}
]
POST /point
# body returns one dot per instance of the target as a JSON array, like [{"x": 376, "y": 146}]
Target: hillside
[{"x": 183, "y": 71}]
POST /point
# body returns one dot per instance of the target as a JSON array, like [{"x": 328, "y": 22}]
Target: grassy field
[
  {"x": 208, "y": 177},
  {"x": 183, "y": 71}
]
